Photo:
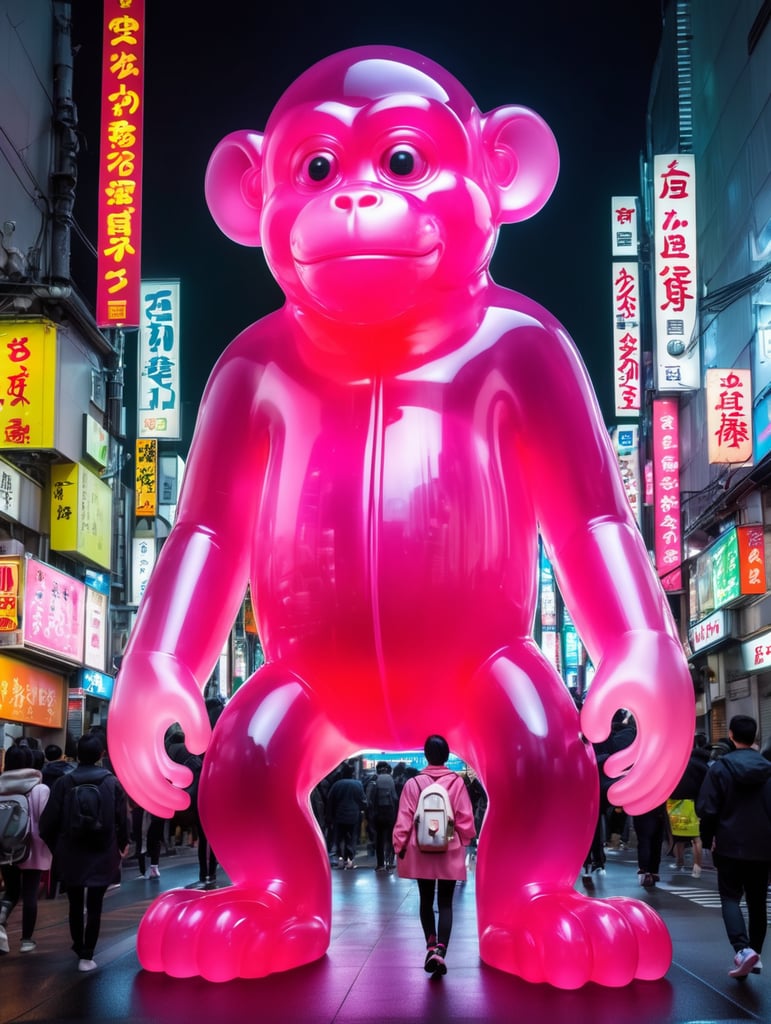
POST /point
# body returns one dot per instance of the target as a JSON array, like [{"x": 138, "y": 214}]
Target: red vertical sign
[
  {"x": 666, "y": 492},
  {"x": 752, "y": 559},
  {"x": 120, "y": 165}
]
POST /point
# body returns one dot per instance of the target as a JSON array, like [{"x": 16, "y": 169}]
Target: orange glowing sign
[
  {"x": 31, "y": 695},
  {"x": 120, "y": 164}
]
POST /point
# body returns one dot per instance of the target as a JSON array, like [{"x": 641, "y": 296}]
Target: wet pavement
[{"x": 373, "y": 971}]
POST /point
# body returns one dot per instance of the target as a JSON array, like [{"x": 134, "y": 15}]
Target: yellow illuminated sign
[
  {"x": 81, "y": 513},
  {"x": 146, "y": 476},
  {"x": 28, "y": 353}
]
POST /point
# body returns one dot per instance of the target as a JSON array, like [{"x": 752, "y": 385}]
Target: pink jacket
[
  {"x": 27, "y": 780},
  {"x": 415, "y": 863}
]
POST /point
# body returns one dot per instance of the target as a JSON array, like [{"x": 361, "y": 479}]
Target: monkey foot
[
  {"x": 229, "y": 933},
  {"x": 567, "y": 939}
]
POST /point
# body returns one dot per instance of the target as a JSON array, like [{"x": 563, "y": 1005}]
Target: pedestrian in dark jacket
[
  {"x": 681, "y": 807},
  {"x": 87, "y": 866},
  {"x": 345, "y": 806},
  {"x": 382, "y": 803},
  {"x": 55, "y": 765},
  {"x": 207, "y": 859},
  {"x": 734, "y": 809}
]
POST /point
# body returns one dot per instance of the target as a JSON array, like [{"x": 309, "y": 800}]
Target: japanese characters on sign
[
  {"x": 54, "y": 609},
  {"x": 81, "y": 513},
  {"x": 28, "y": 354},
  {"x": 710, "y": 631},
  {"x": 120, "y": 165},
  {"x": 626, "y": 339},
  {"x": 732, "y": 567},
  {"x": 10, "y": 490},
  {"x": 624, "y": 226},
  {"x": 96, "y": 619},
  {"x": 627, "y": 448},
  {"x": 756, "y": 653},
  {"x": 143, "y": 554},
  {"x": 158, "y": 400},
  {"x": 666, "y": 492},
  {"x": 752, "y": 559},
  {"x": 676, "y": 290},
  {"x": 729, "y": 415},
  {"x": 30, "y": 694},
  {"x": 10, "y": 575},
  {"x": 146, "y": 502}
]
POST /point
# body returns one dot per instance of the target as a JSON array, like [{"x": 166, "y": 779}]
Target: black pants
[
  {"x": 445, "y": 889},
  {"x": 384, "y": 851},
  {"x": 207, "y": 860},
  {"x": 649, "y": 828},
  {"x": 22, "y": 884},
  {"x": 748, "y": 878},
  {"x": 85, "y": 931},
  {"x": 345, "y": 839}
]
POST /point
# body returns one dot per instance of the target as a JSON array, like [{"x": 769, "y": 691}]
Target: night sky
[{"x": 214, "y": 68}]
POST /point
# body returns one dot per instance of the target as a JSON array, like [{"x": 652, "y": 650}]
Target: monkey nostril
[{"x": 349, "y": 200}]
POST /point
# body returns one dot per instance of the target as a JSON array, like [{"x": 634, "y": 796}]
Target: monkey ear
[
  {"x": 233, "y": 186},
  {"x": 522, "y": 160}
]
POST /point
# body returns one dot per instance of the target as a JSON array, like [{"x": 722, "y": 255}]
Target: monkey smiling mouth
[{"x": 431, "y": 255}]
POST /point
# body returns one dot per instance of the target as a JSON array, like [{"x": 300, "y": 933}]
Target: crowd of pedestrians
[
  {"x": 82, "y": 826},
  {"x": 721, "y": 807}
]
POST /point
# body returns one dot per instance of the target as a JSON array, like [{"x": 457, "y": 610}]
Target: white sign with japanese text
[
  {"x": 626, "y": 339},
  {"x": 678, "y": 363},
  {"x": 729, "y": 416},
  {"x": 159, "y": 398},
  {"x": 624, "y": 226}
]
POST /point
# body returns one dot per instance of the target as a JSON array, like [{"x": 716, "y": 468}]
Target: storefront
[
  {"x": 727, "y": 586},
  {"x": 53, "y": 634}
]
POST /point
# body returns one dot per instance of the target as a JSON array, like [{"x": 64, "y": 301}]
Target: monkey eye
[
  {"x": 319, "y": 167},
  {"x": 404, "y": 161}
]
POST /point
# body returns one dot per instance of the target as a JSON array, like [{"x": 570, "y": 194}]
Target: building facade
[
  {"x": 62, "y": 550},
  {"x": 710, "y": 102}
]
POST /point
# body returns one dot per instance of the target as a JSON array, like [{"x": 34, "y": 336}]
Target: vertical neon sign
[{"x": 120, "y": 165}]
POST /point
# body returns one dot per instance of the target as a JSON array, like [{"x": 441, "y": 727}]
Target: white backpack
[{"x": 434, "y": 819}]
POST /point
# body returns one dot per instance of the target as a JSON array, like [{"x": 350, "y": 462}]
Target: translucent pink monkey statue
[{"x": 376, "y": 458}]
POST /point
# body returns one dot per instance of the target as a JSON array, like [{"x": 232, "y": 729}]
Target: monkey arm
[
  {"x": 606, "y": 577},
  {"x": 193, "y": 594}
]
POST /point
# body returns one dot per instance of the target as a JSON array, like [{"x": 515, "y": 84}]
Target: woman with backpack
[
  {"x": 22, "y": 877},
  {"x": 434, "y": 824}
]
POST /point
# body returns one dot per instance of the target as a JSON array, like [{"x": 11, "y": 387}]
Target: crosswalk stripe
[{"x": 704, "y": 897}]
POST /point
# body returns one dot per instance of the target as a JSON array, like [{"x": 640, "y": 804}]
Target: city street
[{"x": 373, "y": 970}]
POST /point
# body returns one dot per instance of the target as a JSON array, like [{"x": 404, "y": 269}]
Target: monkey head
[{"x": 377, "y": 188}]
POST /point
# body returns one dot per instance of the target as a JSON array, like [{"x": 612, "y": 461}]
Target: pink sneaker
[{"x": 744, "y": 961}]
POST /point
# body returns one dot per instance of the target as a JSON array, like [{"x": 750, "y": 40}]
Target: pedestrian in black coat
[
  {"x": 345, "y": 806},
  {"x": 87, "y": 867},
  {"x": 734, "y": 809}
]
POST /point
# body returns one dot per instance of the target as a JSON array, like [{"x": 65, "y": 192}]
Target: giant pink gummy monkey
[{"x": 376, "y": 458}]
